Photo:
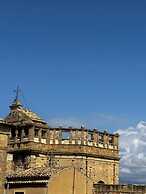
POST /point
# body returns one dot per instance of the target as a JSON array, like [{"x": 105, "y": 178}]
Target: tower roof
[{"x": 18, "y": 113}]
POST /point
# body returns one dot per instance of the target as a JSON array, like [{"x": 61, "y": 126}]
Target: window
[
  {"x": 101, "y": 138},
  {"x": 90, "y": 137},
  {"x": 26, "y": 132},
  {"x": 66, "y": 135},
  {"x": 19, "y": 192},
  {"x": 44, "y": 134},
  {"x": 36, "y": 133},
  {"x": 13, "y": 134},
  {"x": 19, "y": 133},
  {"x": 100, "y": 182},
  {"x": 110, "y": 140},
  {"x": 21, "y": 161}
]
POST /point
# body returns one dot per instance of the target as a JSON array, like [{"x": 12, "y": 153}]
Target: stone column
[
  {"x": 105, "y": 138},
  {"x": 76, "y": 137},
  {"x": 82, "y": 136},
  {"x": 86, "y": 136},
  {"x": 95, "y": 137},
  {"x": 57, "y": 136},
  {"x": 48, "y": 136},
  {"x": 16, "y": 138},
  {"x": 116, "y": 140},
  {"x": 40, "y": 134},
  {"x": 54, "y": 136},
  {"x": 22, "y": 134},
  {"x": 16, "y": 134},
  {"x": 70, "y": 139},
  {"x": 51, "y": 135},
  {"x": 60, "y": 136},
  {"x": 31, "y": 133}
]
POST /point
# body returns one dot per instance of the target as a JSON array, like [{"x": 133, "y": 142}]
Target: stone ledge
[{"x": 59, "y": 149}]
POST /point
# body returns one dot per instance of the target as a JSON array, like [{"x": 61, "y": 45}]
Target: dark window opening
[
  {"x": 44, "y": 134},
  {"x": 19, "y": 192},
  {"x": 101, "y": 182},
  {"x": 19, "y": 133},
  {"x": 13, "y": 134},
  {"x": 36, "y": 133},
  {"x": 26, "y": 132},
  {"x": 21, "y": 161},
  {"x": 101, "y": 138}
]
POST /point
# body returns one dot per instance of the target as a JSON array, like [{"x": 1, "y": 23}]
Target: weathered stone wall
[
  {"x": 28, "y": 190},
  {"x": 95, "y": 169},
  {"x": 94, "y": 155},
  {"x": 3, "y": 156},
  {"x": 98, "y": 164},
  {"x": 103, "y": 152},
  {"x": 69, "y": 181},
  {"x": 119, "y": 189}
]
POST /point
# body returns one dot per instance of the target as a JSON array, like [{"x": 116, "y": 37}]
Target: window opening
[
  {"x": 36, "y": 133},
  {"x": 66, "y": 135}
]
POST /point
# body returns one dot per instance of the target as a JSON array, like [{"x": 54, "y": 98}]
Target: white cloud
[{"x": 133, "y": 153}]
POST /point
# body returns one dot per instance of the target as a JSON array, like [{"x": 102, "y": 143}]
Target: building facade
[
  {"x": 41, "y": 159},
  {"x": 4, "y": 133}
]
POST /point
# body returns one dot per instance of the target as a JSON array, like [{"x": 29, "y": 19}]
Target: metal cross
[{"x": 17, "y": 91}]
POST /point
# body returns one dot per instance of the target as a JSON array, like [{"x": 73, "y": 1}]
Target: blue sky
[{"x": 76, "y": 61}]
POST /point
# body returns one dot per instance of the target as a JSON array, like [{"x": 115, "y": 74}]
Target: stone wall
[
  {"x": 105, "y": 169},
  {"x": 119, "y": 189},
  {"x": 28, "y": 190},
  {"x": 94, "y": 155},
  {"x": 94, "y": 151},
  {"x": 3, "y": 156},
  {"x": 95, "y": 169}
]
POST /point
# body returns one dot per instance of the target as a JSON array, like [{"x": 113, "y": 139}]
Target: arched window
[{"x": 101, "y": 182}]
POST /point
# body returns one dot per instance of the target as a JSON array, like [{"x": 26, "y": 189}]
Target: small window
[
  {"x": 110, "y": 140},
  {"x": 90, "y": 137},
  {"x": 13, "y": 134},
  {"x": 36, "y": 133},
  {"x": 44, "y": 134},
  {"x": 101, "y": 182},
  {"x": 26, "y": 132},
  {"x": 19, "y": 192},
  {"x": 19, "y": 133},
  {"x": 101, "y": 138},
  {"x": 66, "y": 135}
]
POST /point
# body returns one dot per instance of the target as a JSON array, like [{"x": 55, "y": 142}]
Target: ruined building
[{"x": 37, "y": 158}]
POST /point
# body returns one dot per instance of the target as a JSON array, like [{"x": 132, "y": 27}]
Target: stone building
[
  {"x": 119, "y": 189},
  {"x": 4, "y": 132},
  {"x": 40, "y": 159}
]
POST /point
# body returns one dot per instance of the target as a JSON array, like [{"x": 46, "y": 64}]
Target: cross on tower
[{"x": 17, "y": 92}]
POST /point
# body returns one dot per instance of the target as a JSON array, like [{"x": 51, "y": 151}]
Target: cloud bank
[{"x": 133, "y": 154}]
